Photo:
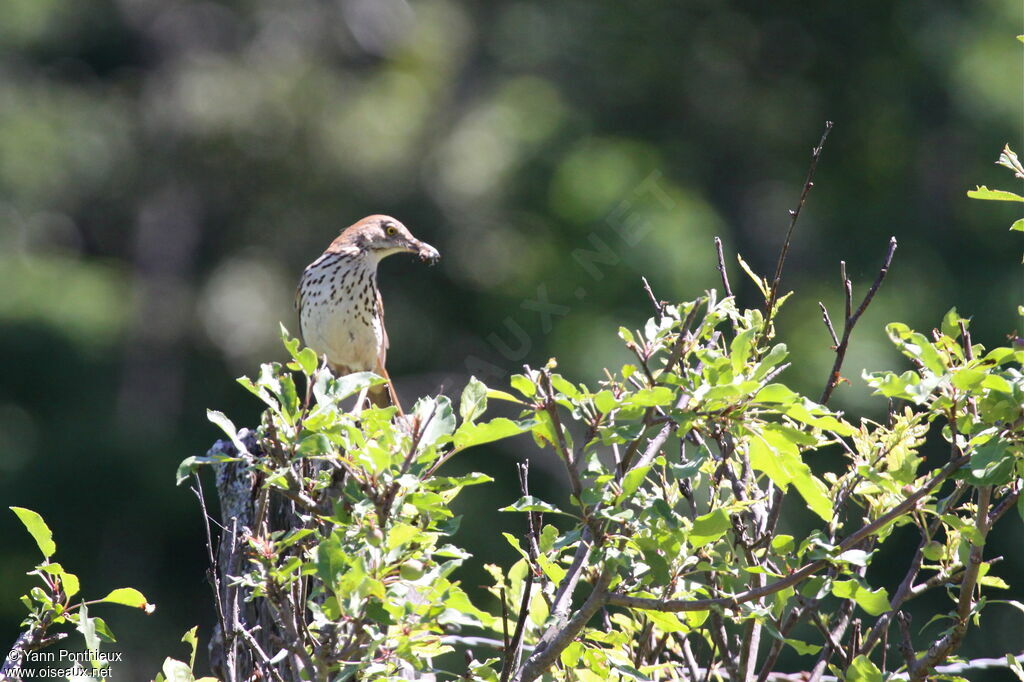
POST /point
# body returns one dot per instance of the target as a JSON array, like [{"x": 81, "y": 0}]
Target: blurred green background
[{"x": 167, "y": 168}]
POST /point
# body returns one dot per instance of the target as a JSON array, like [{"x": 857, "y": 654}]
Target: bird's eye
[{"x": 391, "y": 230}]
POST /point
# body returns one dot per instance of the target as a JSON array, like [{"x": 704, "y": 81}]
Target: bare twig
[
  {"x": 852, "y": 318},
  {"x": 721, "y": 267},
  {"x": 515, "y": 647},
  {"x": 828, "y": 324},
  {"x": 794, "y": 215},
  {"x": 213, "y": 575},
  {"x": 659, "y": 306}
]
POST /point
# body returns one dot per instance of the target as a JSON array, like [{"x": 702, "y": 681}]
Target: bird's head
[{"x": 382, "y": 235}]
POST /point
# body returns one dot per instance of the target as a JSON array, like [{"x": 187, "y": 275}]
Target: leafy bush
[
  {"x": 52, "y": 609},
  {"x": 672, "y": 559}
]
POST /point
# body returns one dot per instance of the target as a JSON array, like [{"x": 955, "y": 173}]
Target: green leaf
[
  {"x": 470, "y": 434},
  {"x": 565, "y": 387},
  {"x": 762, "y": 284},
  {"x": 863, "y": 670},
  {"x": 950, "y": 326},
  {"x": 502, "y": 395},
  {"x": 783, "y": 544},
  {"x": 529, "y": 503},
  {"x": 69, "y": 581},
  {"x": 968, "y": 378},
  {"x": 193, "y": 642},
  {"x": 193, "y": 462},
  {"x": 1011, "y": 660},
  {"x": 605, "y": 401},
  {"x": 708, "y": 528},
  {"x": 128, "y": 596},
  {"x": 776, "y": 393},
  {"x": 803, "y": 648},
  {"x": 103, "y": 630},
  {"x": 651, "y": 397},
  {"x": 740, "y": 349},
  {"x": 1017, "y": 226},
  {"x": 572, "y": 654},
  {"x": 436, "y": 418},
  {"x": 775, "y": 454},
  {"x": 523, "y": 385},
  {"x": 666, "y": 622},
  {"x": 916, "y": 345},
  {"x": 176, "y": 671},
  {"x": 87, "y": 627},
  {"x": 632, "y": 480},
  {"x": 983, "y": 192},
  {"x": 315, "y": 444},
  {"x": 474, "y": 400},
  {"x": 874, "y": 602},
  {"x": 38, "y": 529},
  {"x": 330, "y": 562},
  {"x": 776, "y": 355},
  {"x": 991, "y": 464},
  {"x": 995, "y": 382},
  {"x": 228, "y": 427}
]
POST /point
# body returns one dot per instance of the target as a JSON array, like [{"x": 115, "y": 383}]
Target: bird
[{"x": 341, "y": 312}]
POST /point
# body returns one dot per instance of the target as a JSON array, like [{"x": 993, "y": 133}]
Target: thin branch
[
  {"x": 828, "y": 324},
  {"x": 659, "y": 306},
  {"x": 949, "y": 643},
  {"x": 721, "y": 267},
  {"x": 852, "y": 318},
  {"x": 794, "y": 215},
  {"x": 549, "y": 649},
  {"x": 514, "y": 649},
  {"x": 213, "y": 573}
]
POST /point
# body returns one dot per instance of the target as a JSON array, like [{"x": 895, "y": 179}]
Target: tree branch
[
  {"x": 851, "y": 319},
  {"x": 794, "y": 215},
  {"x": 548, "y": 649},
  {"x": 677, "y": 605}
]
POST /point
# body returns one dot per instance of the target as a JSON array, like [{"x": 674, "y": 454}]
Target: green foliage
[
  {"x": 53, "y": 604},
  {"x": 677, "y": 466},
  {"x": 179, "y": 671},
  {"x": 372, "y": 528},
  {"x": 1008, "y": 159}
]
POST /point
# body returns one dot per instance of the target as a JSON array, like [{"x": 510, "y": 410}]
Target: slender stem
[
  {"x": 851, "y": 320},
  {"x": 721, "y": 267},
  {"x": 794, "y": 215}
]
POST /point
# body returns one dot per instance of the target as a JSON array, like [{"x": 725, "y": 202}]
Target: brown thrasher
[{"x": 340, "y": 308}]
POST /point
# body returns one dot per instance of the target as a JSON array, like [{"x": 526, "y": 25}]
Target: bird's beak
[{"x": 427, "y": 253}]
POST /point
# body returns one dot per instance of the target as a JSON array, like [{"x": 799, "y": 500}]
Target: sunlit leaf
[
  {"x": 38, "y": 529},
  {"x": 983, "y": 192},
  {"x": 473, "y": 402},
  {"x": 470, "y": 434},
  {"x": 863, "y": 670},
  {"x": 874, "y": 602},
  {"x": 708, "y": 528}
]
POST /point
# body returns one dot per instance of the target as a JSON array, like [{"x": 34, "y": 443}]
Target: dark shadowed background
[{"x": 167, "y": 168}]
